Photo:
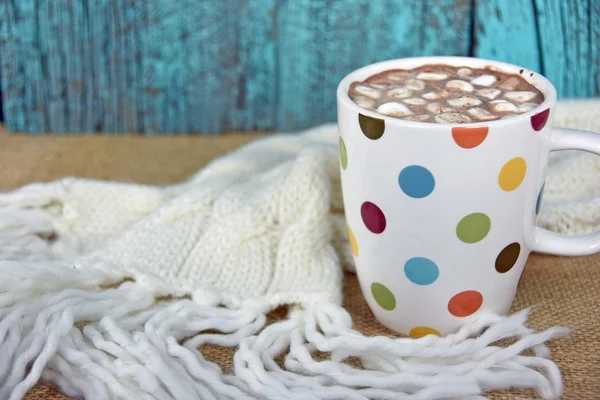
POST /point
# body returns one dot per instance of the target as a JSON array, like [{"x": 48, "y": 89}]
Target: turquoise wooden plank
[
  {"x": 256, "y": 102},
  {"x": 21, "y": 61},
  {"x": 321, "y": 41},
  {"x": 78, "y": 85},
  {"x": 302, "y": 26},
  {"x": 565, "y": 37},
  {"x": 506, "y": 31},
  {"x": 50, "y": 18},
  {"x": 159, "y": 66},
  {"x": 577, "y": 17},
  {"x": 72, "y": 60},
  {"x": 594, "y": 58},
  {"x": 394, "y": 30},
  {"x": 185, "y": 67},
  {"x": 112, "y": 54},
  {"x": 377, "y": 30},
  {"x": 447, "y": 25},
  {"x": 127, "y": 30},
  {"x": 209, "y": 66},
  {"x": 61, "y": 36}
]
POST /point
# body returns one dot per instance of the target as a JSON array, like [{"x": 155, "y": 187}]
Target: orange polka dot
[
  {"x": 469, "y": 137},
  {"x": 465, "y": 303},
  {"x": 420, "y": 331},
  {"x": 353, "y": 243}
]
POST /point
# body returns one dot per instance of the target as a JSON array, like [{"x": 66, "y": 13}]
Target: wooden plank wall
[{"x": 164, "y": 66}]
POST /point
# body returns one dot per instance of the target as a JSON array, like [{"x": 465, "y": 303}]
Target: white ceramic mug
[{"x": 442, "y": 217}]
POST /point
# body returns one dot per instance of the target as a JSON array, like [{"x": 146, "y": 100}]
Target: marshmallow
[
  {"x": 381, "y": 86},
  {"x": 459, "y": 85},
  {"x": 452, "y": 118},
  {"x": 484, "y": 80},
  {"x": 418, "y": 118},
  {"x": 435, "y": 95},
  {"x": 490, "y": 93},
  {"x": 399, "y": 75},
  {"x": 520, "y": 97},
  {"x": 509, "y": 84},
  {"x": 381, "y": 80},
  {"x": 414, "y": 84},
  {"x": 415, "y": 101},
  {"x": 432, "y": 76},
  {"x": 437, "y": 108},
  {"x": 365, "y": 102},
  {"x": 502, "y": 106},
  {"x": 481, "y": 114},
  {"x": 399, "y": 93},
  {"x": 394, "y": 109},
  {"x": 464, "y": 101},
  {"x": 464, "y": 71},
  {"x": 367, "y": 91},
  {"x": 526, "y": 107}
]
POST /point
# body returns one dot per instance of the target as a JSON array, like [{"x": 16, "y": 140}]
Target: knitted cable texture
[{"x": 109, "y": 290}]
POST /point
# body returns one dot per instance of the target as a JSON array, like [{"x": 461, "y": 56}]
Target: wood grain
[
  {"x": 209, "y": 66},
  {"x": 566, "y": 45},
  {"x": 320, "y": 41},
  {"x": 202, "y": 66},
  {"x": 506, "y": 31},
  {"x": 301, "y": 28},
  {"x": 595, "y": 51},
  {"x": 447, "y": 27},
  {"x": 21, "y": 59}
]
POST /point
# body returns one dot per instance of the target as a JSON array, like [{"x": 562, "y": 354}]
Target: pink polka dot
[
  {"x": 538, "y": 121},
  {"x": 372, "y": 217}
]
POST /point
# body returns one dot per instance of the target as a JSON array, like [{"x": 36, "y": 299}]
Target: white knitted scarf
[{"x": 109, "y": 290}]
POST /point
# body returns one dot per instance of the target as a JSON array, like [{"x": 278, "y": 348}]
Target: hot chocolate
[{"x": 446, "y": 94}]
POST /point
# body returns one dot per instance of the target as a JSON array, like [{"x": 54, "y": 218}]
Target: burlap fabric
[{"x": 565, "y": 290}]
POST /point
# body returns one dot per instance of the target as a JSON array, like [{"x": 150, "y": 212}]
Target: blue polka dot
[
  {"x": 538, "y": 203},
  {"x": 416, "y": 181},
  {"x": 421, "y": 271}
]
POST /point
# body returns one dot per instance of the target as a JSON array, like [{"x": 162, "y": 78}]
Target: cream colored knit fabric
[
  {"x": 109, "y": 289},
  {"x": 572, "y": 192}
]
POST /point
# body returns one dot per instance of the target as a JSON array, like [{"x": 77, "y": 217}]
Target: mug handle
[{"x": 545, "y": 241}]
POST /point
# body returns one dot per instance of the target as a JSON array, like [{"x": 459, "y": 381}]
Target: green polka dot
[
  {"x": 473, "y": 228},
  {"x": 343, "y": 154},
  {"x": 383, "y": 296}
]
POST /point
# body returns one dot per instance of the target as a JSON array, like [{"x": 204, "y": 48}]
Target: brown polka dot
[
  {"x": 373, "y": 128},
  {"x": 508, "y": 257}
]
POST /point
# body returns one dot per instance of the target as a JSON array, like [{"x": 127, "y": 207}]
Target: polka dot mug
[{"x": 441, "y": 217}]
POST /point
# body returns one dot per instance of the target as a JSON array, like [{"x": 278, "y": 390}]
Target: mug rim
[{"x": 539, "y": 81}]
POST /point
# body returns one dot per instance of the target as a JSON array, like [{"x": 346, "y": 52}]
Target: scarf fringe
[
  {"x": 97, "y": 336},
  {"x": 460, "y": 365},
  {"x": 30, "y": 218},
  {"x": 118, "y": 342}
]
